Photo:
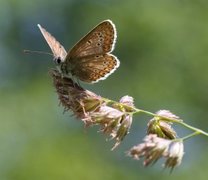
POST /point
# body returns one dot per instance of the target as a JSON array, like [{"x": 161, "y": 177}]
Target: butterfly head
[
  {"x": 58, "y": 61},
  {"x": 60, "y": 65}
]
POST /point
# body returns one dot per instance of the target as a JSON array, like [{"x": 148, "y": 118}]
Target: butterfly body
[{"x": 90, "y": 60}]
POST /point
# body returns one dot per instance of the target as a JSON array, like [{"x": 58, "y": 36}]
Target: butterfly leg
[{"x": 78, "y": 82}]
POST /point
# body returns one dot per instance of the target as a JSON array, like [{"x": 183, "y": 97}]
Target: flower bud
[
  {"x": 123, "y": 129},
  {"x": 74, "y": 97},
  {"x": 164, "y": 115},
  {"x": 161, "y": 129},
  {"x": 155, "y": 148},
  {"x": 125, "y": 124},
  {"x": 174, "y": 155},
  {"x": 160, "y": 126}
]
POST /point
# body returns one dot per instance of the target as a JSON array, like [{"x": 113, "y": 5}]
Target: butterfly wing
[
  {"x": 93, "y": 68},
  {"x": 99, "y": 40},
  {"x": 57, "y": 49}
]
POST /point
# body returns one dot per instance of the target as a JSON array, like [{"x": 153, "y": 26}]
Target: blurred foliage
[{"x": 162, "y": 46}]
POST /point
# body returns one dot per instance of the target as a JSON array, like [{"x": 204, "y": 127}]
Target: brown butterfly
[{"x": 90, "y": 59}]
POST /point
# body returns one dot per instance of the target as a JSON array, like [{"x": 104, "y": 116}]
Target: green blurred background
[{"x": 163, "y": 49}]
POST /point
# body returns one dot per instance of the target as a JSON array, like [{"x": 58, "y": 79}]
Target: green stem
[
  {"x": 179, "y": 121},
  {"x": 145, "y": 112},
  {"x": 198, "y": 131},
  {"x": 190, "y": 135}
]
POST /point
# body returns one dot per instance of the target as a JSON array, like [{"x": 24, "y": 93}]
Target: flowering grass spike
[{"x": 115, "y": 120}]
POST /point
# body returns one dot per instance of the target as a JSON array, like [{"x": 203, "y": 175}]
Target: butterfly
[{"x": 90, "y": 60}]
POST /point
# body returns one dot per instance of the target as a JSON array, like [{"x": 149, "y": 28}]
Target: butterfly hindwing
[{"x": 93, "y": 68}]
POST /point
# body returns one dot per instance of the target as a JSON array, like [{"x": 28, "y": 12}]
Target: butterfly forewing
[
  {"x": 57, "y": 49},
  {"x": 99, "y": 40},
  {"x": 93, "y": 68}
]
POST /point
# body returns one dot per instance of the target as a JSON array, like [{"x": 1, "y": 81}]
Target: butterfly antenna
[{"x": 37, "y": 52}]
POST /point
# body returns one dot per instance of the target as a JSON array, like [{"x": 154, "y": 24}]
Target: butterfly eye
[{"x": 57, "y": 60}]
